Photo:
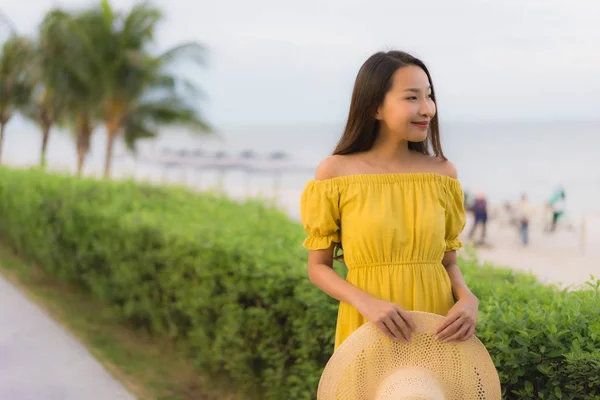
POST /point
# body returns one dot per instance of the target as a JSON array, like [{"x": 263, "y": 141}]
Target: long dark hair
[{"x": 373, "y": 81}]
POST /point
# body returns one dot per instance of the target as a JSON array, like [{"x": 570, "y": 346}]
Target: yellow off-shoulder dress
[{"x": 394, "y": 229}]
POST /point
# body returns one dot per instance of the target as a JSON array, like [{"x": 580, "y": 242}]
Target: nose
[{"x": 427, "y": 108}]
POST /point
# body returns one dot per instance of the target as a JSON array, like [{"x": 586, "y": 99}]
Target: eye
[{"x": 412, "y": 98}]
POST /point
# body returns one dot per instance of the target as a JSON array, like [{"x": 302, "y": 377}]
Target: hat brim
[{"x": 465, "y": 370}]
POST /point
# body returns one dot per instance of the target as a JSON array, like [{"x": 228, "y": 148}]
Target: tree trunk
[
  {"x": 84, "y": 132},
  {"x": 80, "y": 159},
  {"x": 2, "y": 126},
  {"x": 45, "y": 137},
  {"x": 111, "y": 134}
]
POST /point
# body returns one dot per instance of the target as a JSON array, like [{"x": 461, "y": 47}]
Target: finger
[
  {"x": 389, "y": 323},
  {"x": 385, "y": 330},
  {"x": 460, "y": 333},
  {"x": 449, "y": 330},
  {"x": 402, "y": 326},
  {"x": 409, "y": 319},
  {"x": 449, "y": 320},
  {"x": 469, "y": 333}
]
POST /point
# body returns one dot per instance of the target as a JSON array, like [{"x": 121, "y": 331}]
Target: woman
[{"x": 393, "y": 205}]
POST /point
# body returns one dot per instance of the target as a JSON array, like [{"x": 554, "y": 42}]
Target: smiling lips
[{"x": 422, "y": 124}]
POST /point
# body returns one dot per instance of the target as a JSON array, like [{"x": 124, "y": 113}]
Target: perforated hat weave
[{"x": 370, "y": 366}]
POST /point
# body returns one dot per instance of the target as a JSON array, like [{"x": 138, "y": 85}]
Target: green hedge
[
  {"x": 229, "y": 280},
  {"x": 544, "y": 341}
]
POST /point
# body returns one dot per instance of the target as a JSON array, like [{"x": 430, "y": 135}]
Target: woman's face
[{"x": 407, "y": 108}]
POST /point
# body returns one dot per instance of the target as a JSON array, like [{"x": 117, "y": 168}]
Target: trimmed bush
[
  {"x": 542, "y": 339},
  {"x": 228, "y": 279}
]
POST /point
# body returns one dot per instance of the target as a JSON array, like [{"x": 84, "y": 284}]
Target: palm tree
[
  {"x": 14, "y": 90},
  {"x": 69, "y": 74},
  {"x": 138, "y": 93},
  {"x": 46, "y": 102}
]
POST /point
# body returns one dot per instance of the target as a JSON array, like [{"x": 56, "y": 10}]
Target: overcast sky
[{"x": 294, "y": 61}]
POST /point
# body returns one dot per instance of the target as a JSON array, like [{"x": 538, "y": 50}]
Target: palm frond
[
  {"x": 67, "y": 46},
  {"x": 193, "y": 90},
  {"x": 171, "y": 111},
  {"x": 136, "y": 130},
  {"x": 193, "y": 51},
  {"x": 139, "y": 25},
  {"x": 153, "y": 114},
  {"x": 15, "y": 85}
]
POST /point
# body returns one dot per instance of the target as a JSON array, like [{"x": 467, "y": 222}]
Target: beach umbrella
[
  {"x": 182, "y": 153},
  {"x": 248, "y": 154},
  {"x": 278, "y": 155},
  {"x": 197, "y": 153}
]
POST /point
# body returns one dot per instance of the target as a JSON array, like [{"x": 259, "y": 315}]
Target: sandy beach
[{"x": 561, "y": 257}]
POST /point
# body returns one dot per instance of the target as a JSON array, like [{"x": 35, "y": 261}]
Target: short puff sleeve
[
  {"x": 455, "y": 215},
  {"x": 320, "y": 214}
]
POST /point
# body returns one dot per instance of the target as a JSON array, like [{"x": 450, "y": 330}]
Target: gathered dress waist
[{"x": 360, "y": 265}]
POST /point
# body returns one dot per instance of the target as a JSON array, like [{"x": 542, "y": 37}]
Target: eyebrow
[{"x": 414, "y": 90}]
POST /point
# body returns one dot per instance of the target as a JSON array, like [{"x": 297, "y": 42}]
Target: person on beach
[
  {"x": 480, "y": 215},
  {"x": 558, "y": 207},
  {"x": 525, "y": 212},
  {"x": 391, "y": 202}
]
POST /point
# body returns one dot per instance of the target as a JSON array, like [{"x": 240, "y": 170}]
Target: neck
[{"x": 389, "y": 150}]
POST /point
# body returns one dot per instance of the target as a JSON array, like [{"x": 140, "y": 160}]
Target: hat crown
[{"x": 410, "y": 383}]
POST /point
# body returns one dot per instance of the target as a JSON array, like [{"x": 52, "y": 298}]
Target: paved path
[{"x": 40, "y": 361}]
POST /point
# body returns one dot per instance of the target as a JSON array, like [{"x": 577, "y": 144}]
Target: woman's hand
[
  {"x": 395, "y": 322},
  {"x": 459, "y": 324}
]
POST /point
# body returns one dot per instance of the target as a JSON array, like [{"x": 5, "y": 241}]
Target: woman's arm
[
  {"x": 459, "y": 324},
  {"x": 460, "y": 290},
  {"x": 395, "y": 322},
  {"x": 320, "y": 262},
  {"x": 322, "y": 275}
]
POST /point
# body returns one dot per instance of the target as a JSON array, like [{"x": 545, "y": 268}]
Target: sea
[{"x": 503, "y": 159}]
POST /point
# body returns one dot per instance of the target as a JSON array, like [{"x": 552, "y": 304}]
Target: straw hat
[{"x": 370, "y": 366}]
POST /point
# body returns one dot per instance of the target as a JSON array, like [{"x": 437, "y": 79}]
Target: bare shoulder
[
  {"x": 332, "y": 167},
  {"x": 447, "y": 168},
  {"x": 442, "y": 167}
]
